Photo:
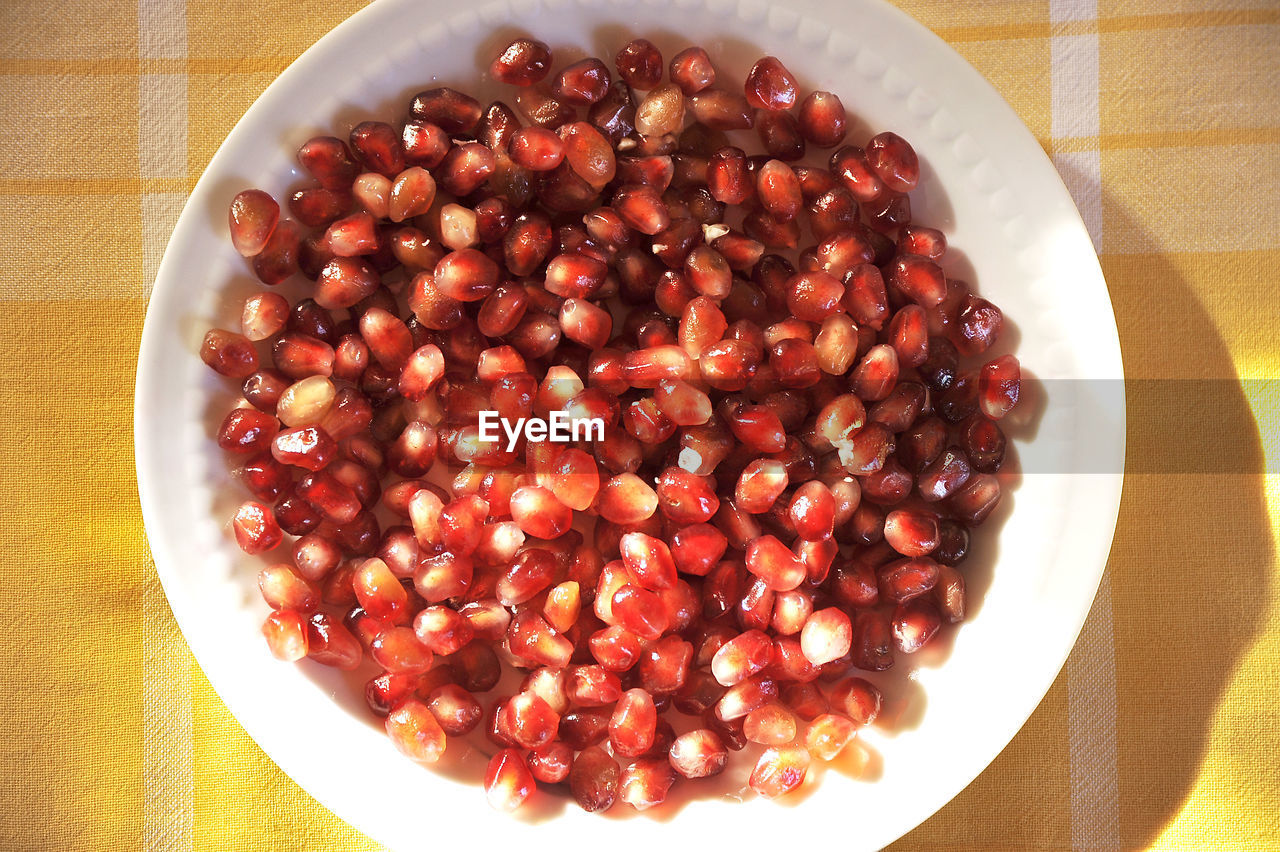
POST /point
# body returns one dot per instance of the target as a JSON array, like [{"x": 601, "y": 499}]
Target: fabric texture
[{"x": 1163, "y": 117}]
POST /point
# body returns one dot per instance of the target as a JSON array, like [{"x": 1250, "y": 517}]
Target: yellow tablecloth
[{"x": 1161, "y": 732}]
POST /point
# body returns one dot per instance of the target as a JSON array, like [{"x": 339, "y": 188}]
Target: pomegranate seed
[
  {"x": 828, "y": 734},
  {"x": 522, "y": 63},
  {"x": 532, "y": 639},
  {"x": 252, "y": 219},
  {"x": 905, "y": 579},
  {"x": 977, "y": 499},
  {"x": 779, "y": 191},
  {"x": 642, "y": 208},
  {"x": 229, "y": 354},
  {"x": 692, "y": 71},
  {"x": 827, "y": 636},
  {"x": 911, "y": 533},
  {"x": 770, "y": 85},
  {"x": 770, "y": 725},
  {"x": 779, "y": 770},
  {"x": 279, "y": 258},
  {"x": 758, "y": 428},
  {"x": 329, "y": 161},
  {"x": 584, "y": 82},
  {"x": 633, "y": 724},
  {"x": 812, "y": 511},
  {"x": 998, "y": 386},
  {"x": 538, "y": 513},
  {"x": 915, "y": 623},
  {"x": 507, "y": 781},
  {"x": 528, "y": 720},
  {"x": 451, "y": 110},
  {"x": 626, "y": 499},
  {"x": 771, "y": 561},
  {"x": 331, "y": 644},
  {"x": 415, "y": 732},
  {"x": 550, "y": 763},
  {"x": 728, "y": 178},
  {"x": 255, "y": 527},
  {"x": 661, "y": 111},
  {"x": 741, "y": 657},
  {"x": 537, "y": 149},
  {"x": 646, "y": 783},
  {"x": 894, "y": 161},
  {"x": 398, "y": 650},
  {"x": 344, "y": 281},
  {"x": 425, "y": 144},
  {"x": 594, "y": 779},
  {"x": 698, "y": 754},
  {"x": 286, "y": 635},
  {"x": 759, "y": 485},
  {"x": 822, "y": 119},
  {"x": 588, "y": 153},
  {"x": 721, "y": 110}
]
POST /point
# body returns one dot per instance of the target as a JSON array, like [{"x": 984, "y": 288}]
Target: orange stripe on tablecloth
[
  {"x": 1211, "y": 137},
  {"x": 1124, "y": 23},
  {"x": 115, "y": 65},
  {"x": 94, "y": 186}
]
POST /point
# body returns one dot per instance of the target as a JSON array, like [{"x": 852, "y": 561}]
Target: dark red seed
[{"x": 523, "y": 62}]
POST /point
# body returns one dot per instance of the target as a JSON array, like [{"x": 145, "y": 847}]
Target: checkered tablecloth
[{"x": 1161, "y": 732}]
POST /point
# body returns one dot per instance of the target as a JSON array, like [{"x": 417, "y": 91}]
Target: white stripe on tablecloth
[
  {"x": 1091, "y": 669},
  {"x": 166, "y": 663}
]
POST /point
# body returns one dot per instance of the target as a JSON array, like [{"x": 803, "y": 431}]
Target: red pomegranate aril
[
  {"x": 915, "y": 623},
  {"x": 770, "y": 725},
  {"x": 648, "y": 561},
  {"x": 778, "y": 189},
  {"x": 812, "y": 511},
  {"x": 583, "y": 83},
  {"x": 466, "y": 275},
  {"x": 999, "y": 384},
  {"x": 646, "y": 782},
  {"x": 779, "y": 135},
  {"x": 813, "y": 296},
  {"x": 523, "y": 62},
  {"x": 377, "y": 145},
  {"x": 442, "y": 630},
  {"x": 770, "y": 85},
  {"x": 905, "y": 579},
  {"x": 308, "y": 447},
  {"x": 588, "y": 153},
  {"x": 252, "y": 219},
  {"x": 850, "y": 165},
  {"x": 759, "y": 485},
  {"x": 454, "y": 112},
  {"x": 424, "y": 144},
  {"x": 344, "y": 281},
  {"x": 977, "y": 499},
  {"x": 379, "y": 592},
  {"x": 827, "y": 636},
  {"x": 728, "y": 178},
  {"x": 633, "y": 724},
  {"x": 822, "y": 119},
  {"x": 286, "y": 635},
  {"x": 415, "y": 732},
  {"x": 771, "y": 561},
  {"x": 741, "y": 698},
  {"x": 329, "y": 161},
  {"x": 352, "y": 235},
  {"x": 536, "y": 148},
  {"x": 550, "y": 764},
  {"x": 256, "y": 528},
  {"x": 527, "y": 720},
  {"x": 247, "y": 430},
  {"x": 594, "y": 779},
  {"x": 692, "y": 71},
  {"x": 876, "y": 374},
  {"x": 758, "y": 428},
  {"x": 741, "y": 657},
  {"x": 684, "y": 404},
  {"x": 911, "y": 533},
  {"x": 640, "y": 611},
  {"x": 919, "y": 279},
  {"x": 721, "y": 110},
  {"x": 977, "y": 327},
  {"x": 398, "y": 650},
  {"x": 697, "y": 548},
  {"x": 229, "y": 354},
  {"x": 507, "y": 781},
  {"x": 894, "y": 161},
  {"x": 539, "y": 513},
  {"x": 685, "y": 498},
  {"x": 779, "y": 770},
  {"x": 331, "y": 644},
  {"x": 699, "y": 753},
  {"x": 639, "y": 64},
  {"x": 642, "y": 208}
]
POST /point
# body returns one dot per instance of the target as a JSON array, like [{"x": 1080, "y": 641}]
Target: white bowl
[{"x": 1015, "y": 234}]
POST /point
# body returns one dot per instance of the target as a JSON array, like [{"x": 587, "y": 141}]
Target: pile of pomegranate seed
[{"x": 796, "y": 445}]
